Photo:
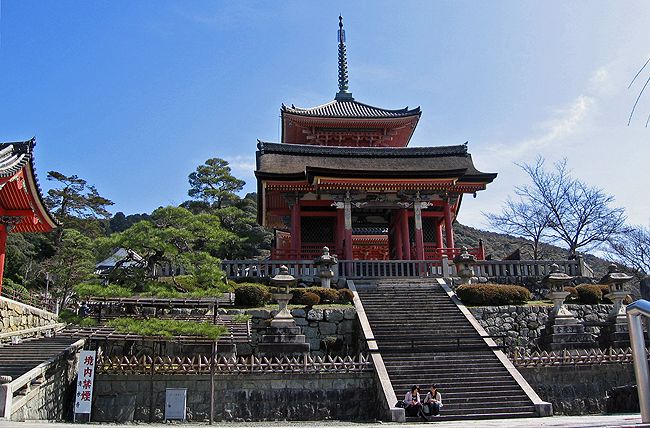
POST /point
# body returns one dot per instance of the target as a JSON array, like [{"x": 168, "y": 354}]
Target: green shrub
[
  {"x": 492, "y": 294},
  {"x": 345, "y": 296},
  {"x": 309, "y": 299},
  {"x": 95, "y": 289},
  {"x": 297, "y": 295},
  {"x": 251, "y": 295},
  {"x": 589, "y": 294},
  {"x": 10, "y": 287},
  {"x": 574, "y": 294},
  {"x": 70, "y": 317},
  {"x": 167, "y": 328},
  {"x": 604, "y": 290},
  {"x": 326, "y": 295}
]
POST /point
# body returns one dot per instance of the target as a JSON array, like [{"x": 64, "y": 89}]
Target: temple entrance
[{"x": 370, "y": 234}]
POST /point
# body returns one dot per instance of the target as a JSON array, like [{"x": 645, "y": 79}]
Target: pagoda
[
  {"x": 344, "y": 177},
  {"x": 21, "y": 205}
]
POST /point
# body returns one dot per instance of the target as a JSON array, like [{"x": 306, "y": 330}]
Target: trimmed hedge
[
  {"x": 326, "y": 295},
  {"x": 589, "y": 294},
  {"x": 252, "y": 295},
  {"x": 345, "y": 296},
  {"x": 492, "y": 294},
  {"x": 309, "y": 299}
]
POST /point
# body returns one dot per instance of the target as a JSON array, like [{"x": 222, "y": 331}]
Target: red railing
[
  {"x": 433, "y": 253},
  {"x": 307, "y": 252}
]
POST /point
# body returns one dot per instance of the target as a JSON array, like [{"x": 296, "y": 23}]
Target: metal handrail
[{"x": 634, "y": 313}]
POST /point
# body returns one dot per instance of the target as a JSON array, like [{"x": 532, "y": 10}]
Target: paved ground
[{"x": 633, "y": 420}]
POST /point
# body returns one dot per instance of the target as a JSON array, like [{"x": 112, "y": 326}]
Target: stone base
[
  {"x": 282, "y": 341},
  {"x": 282, "y": 349},
  {"x": 566, "y": 333},
  {"x": 615, "y": 335}
]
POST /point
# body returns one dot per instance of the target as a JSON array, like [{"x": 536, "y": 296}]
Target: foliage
[
  {"x": 325, "y": 295},
  {"x": 251, "y": 295},
  {"x": 573, "y": 296},
  {"x": 580, "y": 215},
  {"x": 177, "y": 237},
  {"x": 154, "y": 327},
  {"x": 73, "y": 263},
  {"x": 76, "y": 204},
  {"x": 632, "y": 249},
  {"x": 589, "y": 294},
  {"x": 241, "y": 318},
  {"x": 10, "y": 287},
  {"x": 69, "y": 317},
  {"x": 213, "y": 183},
  {"x": 96, "y": 289},
  {"x": 345, "y": 296},
  {"x": 492, "y": 294},
  {"x": 309, "y": 299},
  {"x": 120, "y": 222}
]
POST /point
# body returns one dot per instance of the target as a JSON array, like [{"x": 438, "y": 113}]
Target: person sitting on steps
[
  {"x": 412, "y": 402},
  {"x": 432, "y": 402}
]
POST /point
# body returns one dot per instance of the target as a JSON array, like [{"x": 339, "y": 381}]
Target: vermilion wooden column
[
  {"x": 449, "y": 231},
  {"x": 295, "y": 229},
  {"x": 405, "y": 234},
  {"x": 3, "y": 244}
]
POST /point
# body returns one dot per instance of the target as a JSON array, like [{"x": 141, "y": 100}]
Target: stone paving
[{"x": 597, "y": 421}]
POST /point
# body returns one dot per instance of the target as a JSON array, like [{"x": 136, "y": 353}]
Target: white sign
[
  {"x": 175, "y": 403},
  {"x": 85, "y": 380}
]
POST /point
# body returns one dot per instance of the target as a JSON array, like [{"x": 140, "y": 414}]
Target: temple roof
[
  {"x": 20, "y": 194},
  {"x": 295, "y": 161},
  {"x": 350, "y": 109}
]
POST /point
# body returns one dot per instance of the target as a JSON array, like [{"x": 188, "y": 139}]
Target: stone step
[{"x": 454, "y": 417}]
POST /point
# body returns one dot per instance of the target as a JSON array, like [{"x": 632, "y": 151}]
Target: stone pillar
[
  {"x": 419, "y": 237},
  {"x": 347, "y": 214},
  {"x": 449, "y": 230},
  {"x": 439, "y": 243},
  {"x": 398, "y": 241},
  {"x": 340, "y": 231},
  {"x": 406, "y": 244},
  {"x": 295, "y": 229}
]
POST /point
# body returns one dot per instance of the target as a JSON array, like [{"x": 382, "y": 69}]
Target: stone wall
[
  {"x": 242, "y": 397},
  {"x": 524, "y": 324},
  {"x": 331, "y": 331},
  {"x": 19, "y": 316},
  {"x": 51, "y": 400},
  {"x": 578, "y": 390}
]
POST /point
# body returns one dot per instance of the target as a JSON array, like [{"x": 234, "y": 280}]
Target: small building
[
  {"x": 343, "y": 176},
  {"x": 22, "y": 208}
]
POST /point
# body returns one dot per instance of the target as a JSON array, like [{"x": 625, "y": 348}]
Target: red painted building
[
  {"x": 21, "y": 207},
  {"x": 343, "y": 177}
]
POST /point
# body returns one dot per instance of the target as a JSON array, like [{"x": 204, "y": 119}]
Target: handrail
[
  {"x": 634, "y": 312},
  {"x": 28, "y": 331}
]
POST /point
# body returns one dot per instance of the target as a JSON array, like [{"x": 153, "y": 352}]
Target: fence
[
  {"x": 224, "y": 365},
  {"x": 502, "y": 270},
  {"x": 521, "y": 357}
]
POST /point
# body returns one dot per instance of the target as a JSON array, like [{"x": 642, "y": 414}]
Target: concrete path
[{"x": 631, "y": 420}]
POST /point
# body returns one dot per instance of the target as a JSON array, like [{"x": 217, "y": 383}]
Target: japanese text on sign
[{"x": 85, "y": 380}]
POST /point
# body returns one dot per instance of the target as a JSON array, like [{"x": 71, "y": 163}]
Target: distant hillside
[{"x": 500, "y": 245}]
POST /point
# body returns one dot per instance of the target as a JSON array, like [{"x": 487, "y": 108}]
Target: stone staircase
[{"x": 424, "y": 338}]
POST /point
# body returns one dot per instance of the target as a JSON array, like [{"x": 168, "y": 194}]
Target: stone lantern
[
  {"x": 283, "y": 280},
  {"x": 555, "y": 281},
  {"x": 325, "y": 263},
  {"x": 283, "y": 336},
  {"x": 616, "y": 334},
  {"x": 464, "y": 263},
  {"x": 563, "y": 330}
]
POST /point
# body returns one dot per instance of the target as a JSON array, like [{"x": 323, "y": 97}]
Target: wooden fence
[{"x": 234, "y": 365}]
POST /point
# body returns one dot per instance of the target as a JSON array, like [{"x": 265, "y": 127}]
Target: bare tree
[
  {"x": 632, "y": 249},
  {"x": 524, "y": 219},
  {"x": 580, "y": 215}
]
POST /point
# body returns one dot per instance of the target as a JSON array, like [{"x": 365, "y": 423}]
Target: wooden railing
[
  {"x": 431, "y": 252},
  {"x": 354, "y": 269},
  {"x": 235, "y": 365},
  {"x": 522, "y": 357},
  {"x": 306, "y": 252}
]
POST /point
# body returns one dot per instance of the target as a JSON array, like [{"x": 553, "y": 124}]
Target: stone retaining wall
[
  {"x": 578, "y": 390},
  {"x": 243, "y": 397},
  {"x": 524, "y": 324},
  {"x": 329, "y": 331},
  {"x": 19, "y": 316}
]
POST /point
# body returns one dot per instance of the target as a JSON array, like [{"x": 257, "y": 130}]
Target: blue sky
[{"x": 132, "y": 96}]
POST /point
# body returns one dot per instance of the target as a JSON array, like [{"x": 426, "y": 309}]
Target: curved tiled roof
[
  {"x": 350, "y": 109},
  {"x": 14, "y": 156},
  {"x": 371, "y": 152}
]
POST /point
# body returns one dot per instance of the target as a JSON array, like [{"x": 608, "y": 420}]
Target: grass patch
[
  {"x": 167, "y": 328},
  {"x": 539, "y": 303}
]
